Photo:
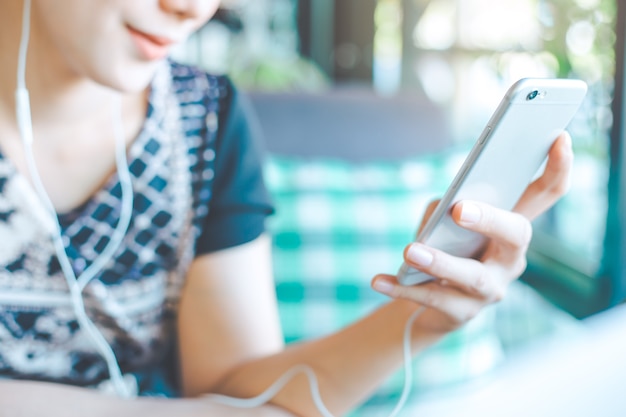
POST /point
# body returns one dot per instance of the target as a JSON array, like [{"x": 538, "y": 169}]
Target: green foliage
[{"x": 267, "y": 73}]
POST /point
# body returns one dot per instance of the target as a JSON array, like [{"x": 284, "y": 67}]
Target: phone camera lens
[{"x": 532, "y": 95}]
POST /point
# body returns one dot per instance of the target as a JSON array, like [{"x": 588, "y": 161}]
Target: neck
[{"x": 59, "y": 95}]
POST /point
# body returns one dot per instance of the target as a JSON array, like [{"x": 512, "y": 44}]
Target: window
[{"x": 464, "y": 54}]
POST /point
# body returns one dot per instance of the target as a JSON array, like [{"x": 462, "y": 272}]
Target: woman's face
[{"x": 117, "y": 43}]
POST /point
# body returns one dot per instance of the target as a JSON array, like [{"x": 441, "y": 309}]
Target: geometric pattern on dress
[{"x": 133, "y": 300}]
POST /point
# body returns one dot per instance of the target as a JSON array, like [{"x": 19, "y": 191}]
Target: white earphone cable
[
  {"x": 75, "y": 284},
  {"x": 21, "y": 60},
  {"x": 275, "y": 388},
  {"x": 126, "y": 210}
]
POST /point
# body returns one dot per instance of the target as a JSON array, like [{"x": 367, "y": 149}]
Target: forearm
[
  {"x": 349, "y": 364},
  {"x": 27, "y": 398}
]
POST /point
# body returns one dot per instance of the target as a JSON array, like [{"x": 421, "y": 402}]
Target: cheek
[
  {"x": 199, "y": 16},
  {"x": 90, "y": 40},
  {"x": 211, "y": 9}
]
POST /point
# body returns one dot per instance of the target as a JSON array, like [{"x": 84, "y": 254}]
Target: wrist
[{"x": 423, "y": 333}]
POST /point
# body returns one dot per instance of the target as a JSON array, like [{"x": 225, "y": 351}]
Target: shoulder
[{"x": 211, "y": 96}]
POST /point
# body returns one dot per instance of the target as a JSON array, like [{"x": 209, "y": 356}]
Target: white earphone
[{"x": 77, "y": 284}]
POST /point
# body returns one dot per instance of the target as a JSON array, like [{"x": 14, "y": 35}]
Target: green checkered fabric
[{"x": 337, "y": 225}]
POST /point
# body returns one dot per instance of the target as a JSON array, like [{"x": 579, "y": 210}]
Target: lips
[{"x": 150, "y": 47}]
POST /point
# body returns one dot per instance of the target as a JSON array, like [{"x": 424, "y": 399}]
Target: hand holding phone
[{"x": 502, "y": 163}]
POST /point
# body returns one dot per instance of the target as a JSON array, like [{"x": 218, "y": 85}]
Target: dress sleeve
[{"x": 240, "y": 201}]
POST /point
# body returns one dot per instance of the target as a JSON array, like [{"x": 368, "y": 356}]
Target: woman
[{"x": 189, "y": 281}]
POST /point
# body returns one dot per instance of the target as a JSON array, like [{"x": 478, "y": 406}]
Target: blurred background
[{"x": 369, "y": 106}]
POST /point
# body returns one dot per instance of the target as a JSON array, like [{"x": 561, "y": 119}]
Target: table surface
[{"x": 580, "y": 375}]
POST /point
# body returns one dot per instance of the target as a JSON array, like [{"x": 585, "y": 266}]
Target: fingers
[
  {"x": 459, "y": 307},
  {"x": 510, "y": 229},
  {"x": 504, "y": 260},
  {"x": 468, "y": 275},
  {"x": 542, "y": 193},
  {"x": 464, "y": 286}
]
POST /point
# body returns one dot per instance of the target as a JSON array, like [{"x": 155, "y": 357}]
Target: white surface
[{"x": 582, "y": 376}]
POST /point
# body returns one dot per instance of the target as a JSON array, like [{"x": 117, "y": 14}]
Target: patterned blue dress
[{"x": 198, "y": 188}]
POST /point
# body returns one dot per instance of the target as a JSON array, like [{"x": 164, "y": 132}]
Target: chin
[{"x": 129, "y": 77}]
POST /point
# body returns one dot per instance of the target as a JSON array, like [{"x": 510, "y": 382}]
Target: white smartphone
[{"x": 506, "y": 157}]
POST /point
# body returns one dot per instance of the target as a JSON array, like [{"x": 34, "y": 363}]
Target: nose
[{"x": 189, "y": 9}]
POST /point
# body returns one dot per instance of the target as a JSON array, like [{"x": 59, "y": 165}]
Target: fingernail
[
  {"x": 470, "y": 213},
  {"x": 567, "y": 139},
  {"x": 568, "y": 144},
  {"x": 417, "y": 254},
  {"x": 383, "y": 286}
]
